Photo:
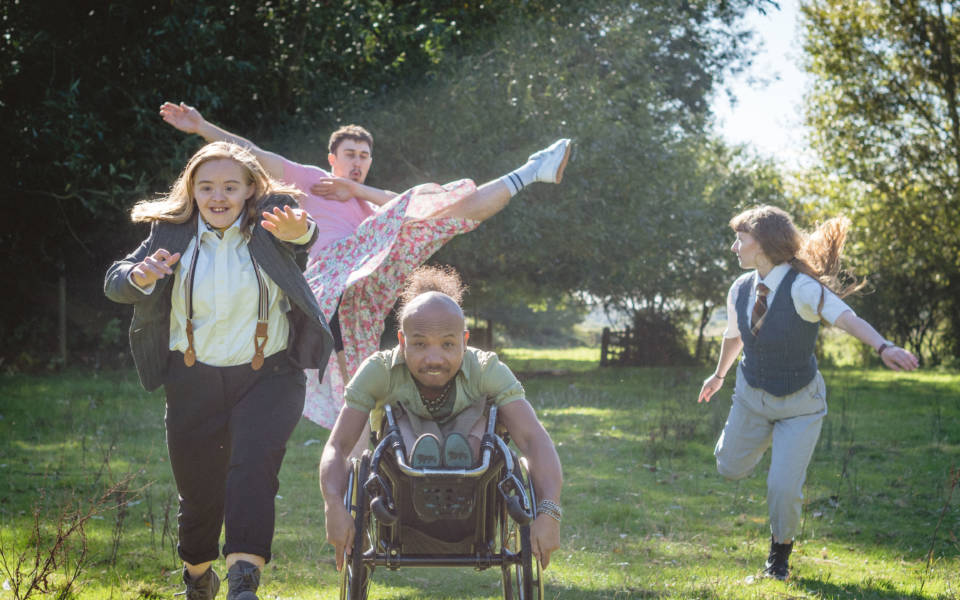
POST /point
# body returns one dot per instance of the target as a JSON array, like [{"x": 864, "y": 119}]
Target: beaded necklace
[{"x": 436, "y": 405}]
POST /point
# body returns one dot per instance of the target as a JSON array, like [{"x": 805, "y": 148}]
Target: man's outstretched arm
[
  {"x": 534, "y": 442},
  {"x": 342, "y": 189},
  {"x": 189, "y": 120},
  {"x": 333, "y": 479}
]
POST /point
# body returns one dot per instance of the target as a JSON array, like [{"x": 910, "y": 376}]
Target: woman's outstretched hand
[
  {"x": 899, "y": 359},
  {"x": 286, "y": 223},
  {"x": 154, "y": 267},
  {"x": 711, "y": 385}
]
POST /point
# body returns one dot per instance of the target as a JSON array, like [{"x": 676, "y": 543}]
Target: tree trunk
[
  {"x": 604, "y": 346},
  {"x": 62, "y": 329},
  {"x": 706, "y": 309}
]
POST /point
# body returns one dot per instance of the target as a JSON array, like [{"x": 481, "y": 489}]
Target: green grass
[
  {"x": 533, "y": 360},
  {"x": 646, "y": 515}
]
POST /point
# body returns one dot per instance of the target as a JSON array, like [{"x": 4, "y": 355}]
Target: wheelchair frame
[{"x": 389, "y": 499}]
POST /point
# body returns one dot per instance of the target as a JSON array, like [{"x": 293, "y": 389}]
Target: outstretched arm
[
  {"x": 189, "y": 120},
  {"x": 287, "y": 224},
  {"x": 333, "y": 479},
  {"x": 729, "y": 350},
  {"x": 131, "y": 279},
  {"x": 534, "y": 442},
  {"x": 342, "y": 189},
  {"x": 894, "y": 357}
]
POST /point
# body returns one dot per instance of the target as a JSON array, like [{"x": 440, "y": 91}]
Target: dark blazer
[{"x": 310, "y": 341}]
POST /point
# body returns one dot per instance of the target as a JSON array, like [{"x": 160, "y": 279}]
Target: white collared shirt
[
  {"x": 805, "y": 292},
  {"x": 225, "y": 299}
]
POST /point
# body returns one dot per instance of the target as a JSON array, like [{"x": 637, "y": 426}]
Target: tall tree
[
  {"x": 630, "y": 81},
  {"x": 883, "y": 109},
  {"x": 80, "y": 84},
  {"x": 449, "y": 89}
]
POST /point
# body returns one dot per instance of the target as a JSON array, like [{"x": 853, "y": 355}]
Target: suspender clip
[
  {"x": 259, "y": 342},
  {"x": 190, "y": 356}
]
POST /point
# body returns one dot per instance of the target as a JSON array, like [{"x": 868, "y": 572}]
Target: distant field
[
  {"x": 646, "y": 515},
  {"x": 533, "y": 360}
]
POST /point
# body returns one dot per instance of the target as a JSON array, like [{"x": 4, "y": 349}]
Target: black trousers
[{"x": 227, "y": 431}]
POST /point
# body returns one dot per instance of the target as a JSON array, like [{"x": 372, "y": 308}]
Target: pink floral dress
[{"x": 369, "y": 267}]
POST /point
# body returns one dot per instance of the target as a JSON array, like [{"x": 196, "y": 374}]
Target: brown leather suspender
[{"x": 263, "y": 312}]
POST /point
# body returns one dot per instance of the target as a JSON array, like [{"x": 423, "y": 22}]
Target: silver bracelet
[{"x": 551, "y": 509}]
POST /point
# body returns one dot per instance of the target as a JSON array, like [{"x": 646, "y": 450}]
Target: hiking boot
[
  {"x": 456, "y": 452},
  {"x": 426, "y": 452},
  {"x": 778, "y": 561},
  {"x": 204, "y": 587},
  {"x": 243, "y": 579}
]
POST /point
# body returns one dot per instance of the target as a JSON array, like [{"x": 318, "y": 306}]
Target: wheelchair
[{"x": 410, "y": 517}]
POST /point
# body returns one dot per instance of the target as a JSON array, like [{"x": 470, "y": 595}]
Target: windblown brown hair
[
  {"x": 817, "y": 254},
  {"x": 443, "y": 279},
  {"x": 349, "y": 132}
]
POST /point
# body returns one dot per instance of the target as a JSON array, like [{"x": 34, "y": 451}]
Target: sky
[{"x": 768, "y": 115}]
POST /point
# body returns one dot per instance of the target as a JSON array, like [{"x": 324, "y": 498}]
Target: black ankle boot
[
  {"x": 243, "y": 579},
  {"x": 202, "y": 588},
  {"x": 778, "y": 561}
]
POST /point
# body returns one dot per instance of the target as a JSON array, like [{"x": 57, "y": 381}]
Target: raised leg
[{"x": 545, "y": 166}]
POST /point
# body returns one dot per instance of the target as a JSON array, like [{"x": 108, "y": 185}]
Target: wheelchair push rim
[
  {"x": 521, "y": 579},
  {"x": 355, "y": 574}
]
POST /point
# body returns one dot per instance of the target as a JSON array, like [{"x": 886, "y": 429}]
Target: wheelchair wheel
[
  {"x": 355, "y": 575},
  {"x": 521, "y": 581}
]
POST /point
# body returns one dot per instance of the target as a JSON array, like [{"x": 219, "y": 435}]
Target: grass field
[{"x": 646, "y": 515}]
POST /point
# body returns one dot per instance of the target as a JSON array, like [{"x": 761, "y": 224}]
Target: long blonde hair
[
  {"x": 818, "y": 254},
  {"x": 178, "y": 205}
]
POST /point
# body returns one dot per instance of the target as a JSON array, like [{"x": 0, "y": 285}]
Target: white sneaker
[{"x": 553, "y": 160}]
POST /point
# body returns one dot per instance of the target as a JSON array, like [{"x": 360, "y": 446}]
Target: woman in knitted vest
[{"x": 779, "y": 399}]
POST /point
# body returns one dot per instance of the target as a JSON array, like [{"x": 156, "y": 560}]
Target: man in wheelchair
[{"x": 439, "y": 390}]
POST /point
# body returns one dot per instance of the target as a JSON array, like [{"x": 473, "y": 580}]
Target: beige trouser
[
  {"x": 792, "y": 424},
  {"x": 472, "y": 423}
]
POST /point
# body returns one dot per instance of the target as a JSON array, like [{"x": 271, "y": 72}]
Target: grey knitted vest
[{"x": 779, "y": 359}]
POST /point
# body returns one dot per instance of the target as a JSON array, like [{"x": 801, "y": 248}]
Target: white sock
[{"x": 520, "y": 178}]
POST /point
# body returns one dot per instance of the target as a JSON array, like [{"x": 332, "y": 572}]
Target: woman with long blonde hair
[
  {"x": 779, "y": 399},
  {"x": 224, "y": 320}
]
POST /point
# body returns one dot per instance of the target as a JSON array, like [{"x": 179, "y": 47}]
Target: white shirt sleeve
[
  {"x": 303, "y": 239},
  {"x": 806, "y": 298},
  {"x": 733, "y": 328},
  {"x": 145, "y": 291}
]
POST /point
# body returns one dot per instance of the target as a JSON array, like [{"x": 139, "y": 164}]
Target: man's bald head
[
  {"x": 432, "y": 307},
  {"x": 433, "y": 338}
]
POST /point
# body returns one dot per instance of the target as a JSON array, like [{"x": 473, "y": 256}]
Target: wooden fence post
[{"x": 604, "y": 346}]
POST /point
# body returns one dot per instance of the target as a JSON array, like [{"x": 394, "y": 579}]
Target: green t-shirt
[{"x": 383, "y": 378}]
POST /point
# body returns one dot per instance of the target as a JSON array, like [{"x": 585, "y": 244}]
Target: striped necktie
[{"x": 759, "y": 308}]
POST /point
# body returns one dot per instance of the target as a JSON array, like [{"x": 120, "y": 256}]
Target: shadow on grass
[
  {"x": 397, "y": 591},
  {"x": 875, "y": 590}
]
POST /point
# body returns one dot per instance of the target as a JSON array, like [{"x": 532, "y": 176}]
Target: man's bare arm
[
  {"x": 333, "y": 479},
  {"x": 189, "y": 120}
]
